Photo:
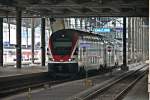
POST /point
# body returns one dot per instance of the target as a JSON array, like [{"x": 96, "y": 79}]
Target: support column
[
  {"x": 132, "y": 28},
  {"x": 18, "y": 38},
  {"x": 81, "y": 20},
  {"x": 129, "y": 39},
  {"x": 143, "y": 46},
  {"x": 43, "y": 41},
  {"x": 75, "y": 23},
  {"x": 1, "y": 42},
  {"x": 27, "y": 36},
  {"x": 8, "y": 21},
  {"x": 124, "y": 67},
  {"x": 147, "y": 40},
  {"x": 136, "y": 42},
  {"x": 139, "y": 39},
  {"x": 143, "y": 41},
  {"x": 141, "y": 56},
  {"x": 32, "y": 39}
]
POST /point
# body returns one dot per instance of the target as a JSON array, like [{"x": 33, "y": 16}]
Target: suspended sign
[{"x": 102, "y": 30}]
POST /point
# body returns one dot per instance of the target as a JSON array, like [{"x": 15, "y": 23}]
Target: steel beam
[
  {"x": 18, "y": 38},
  {"x": 1, "y": 42}
]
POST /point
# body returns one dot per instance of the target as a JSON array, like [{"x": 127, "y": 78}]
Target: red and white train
[{"x": 72, "y": 51}]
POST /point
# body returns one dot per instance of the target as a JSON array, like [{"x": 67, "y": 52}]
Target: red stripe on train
[{"x": 61, "y": 58}]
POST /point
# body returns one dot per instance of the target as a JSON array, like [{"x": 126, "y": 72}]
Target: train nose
[{"x": 60, "y": 68}]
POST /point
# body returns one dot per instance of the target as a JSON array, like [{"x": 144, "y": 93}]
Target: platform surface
[
  {"x": 13, "y": 71},
  {"x": 7, "y": 71},
  {"x": 67, "y": 90}
]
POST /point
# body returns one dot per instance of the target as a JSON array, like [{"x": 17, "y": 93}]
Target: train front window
[
  {"x": 62, "y": 48},
  {"x": 62, "y": 44}
]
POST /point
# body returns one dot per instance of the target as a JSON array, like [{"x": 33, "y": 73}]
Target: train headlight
[
  {"x": 51, "y": 59},
  {"x": 69, "y": 59}
]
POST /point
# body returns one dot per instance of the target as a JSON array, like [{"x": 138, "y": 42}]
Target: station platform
[
  {"x": 69, "y": 90},
  {"x": 26, "y": 69},
  {"x": 11, "y": 70},
  {"x": 139, "y": 91}
]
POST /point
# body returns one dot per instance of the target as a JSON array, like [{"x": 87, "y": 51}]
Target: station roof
[{"x": 74, "y": 8}]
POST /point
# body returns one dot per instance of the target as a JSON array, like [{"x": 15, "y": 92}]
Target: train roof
[
  {"x": 83, "y": 33},
  {"x": 80, "y": 33}
]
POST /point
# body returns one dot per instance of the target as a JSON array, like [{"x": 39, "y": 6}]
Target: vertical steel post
[
  {"x": 135, "y": 39},
  {"x": 141, "y": 56},
  {"x": 27, "y": 36},
  {"x": 8, "y": 21},
  {"x": 124, "y": 67},
  {"x": 18, "y": 38},
  {"x": 81, "y": 20},
  {"x": 1, "y": 42},
  {"x": 132, "y": 28},
  {"x": 144, "y": 43},
  {"x": 129, "y": 38},
  {"x": 147, "y": 32},
  {"x": 138, "y": 31},
  {"x": 43, "y": 41},
  {"x": 143, "y": 46},
  {"x": 32, "y": 38},
  {"x": 76, "y": 23}
]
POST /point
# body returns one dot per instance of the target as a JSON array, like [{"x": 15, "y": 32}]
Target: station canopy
[{"x": 74, "y": 8}]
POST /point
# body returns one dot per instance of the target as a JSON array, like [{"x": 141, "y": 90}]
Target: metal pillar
[
  {"x": 1, "y": 42},
  {"x": 129, "y": 39},
  {"x": 76, "y": 24},
  {"x": 27, "y": 36},
  {"x": 43, "y": 41},
  {"x": 143, "y": 46},
  {"x": 139, "y": 30},
  {"x": 143, "y": 37},
  {"x": 132, "y": 28},
  {"x": 81, "y": 20},
  {"x": 124, "y": 67},
  {"x": 8, "y": 21},
  {"x": 18, "y": 38},
  {"x": 32, "y": 39},
  {"x": 136, "y": 42},
  {"x": 141, "y": 56},
  {"x": 147, "y": 40}
]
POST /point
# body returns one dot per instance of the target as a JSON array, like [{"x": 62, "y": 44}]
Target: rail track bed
[
  {"x": 21, "y": 83},
  {"x": 117, "y": 89},
  {"x": 68, "y": 90},
  {"x": 16, "y": 85}
]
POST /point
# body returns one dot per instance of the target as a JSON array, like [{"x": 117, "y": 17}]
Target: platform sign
[{"x": 102, "y": 30}]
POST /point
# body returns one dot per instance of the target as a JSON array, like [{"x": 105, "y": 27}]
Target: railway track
[
  {"x": 21, "y": 83},
  {"x": 117, "y": 89}
]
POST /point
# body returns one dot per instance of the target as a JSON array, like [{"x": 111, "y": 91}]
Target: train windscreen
[{"x": 62, "y": 44}]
